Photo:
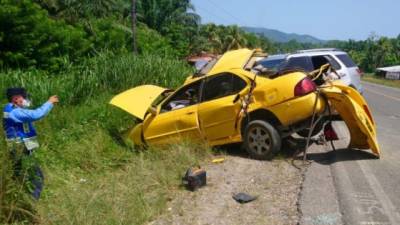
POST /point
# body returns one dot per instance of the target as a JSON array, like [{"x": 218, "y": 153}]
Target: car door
[
  {"x": 220, "y": 107},
  {"x": 177, "y": 117}
]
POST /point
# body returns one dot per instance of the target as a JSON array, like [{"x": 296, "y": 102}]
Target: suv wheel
[{"x": 261, "y": 140}]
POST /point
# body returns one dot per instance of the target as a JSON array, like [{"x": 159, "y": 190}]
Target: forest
[{"x": 51, "y": 35}]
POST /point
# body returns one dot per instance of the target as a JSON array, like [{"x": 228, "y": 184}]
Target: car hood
[
  {"x": 137, "y": 101},
  {"x": 355, "y": 112}
]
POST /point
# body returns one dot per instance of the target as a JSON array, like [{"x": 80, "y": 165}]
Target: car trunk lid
[{"x": 356, "y": 114}]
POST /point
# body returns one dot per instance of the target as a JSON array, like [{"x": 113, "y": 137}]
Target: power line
[
  {"x": 212, "y": 14},
  {"x": 226, "y": 12}
]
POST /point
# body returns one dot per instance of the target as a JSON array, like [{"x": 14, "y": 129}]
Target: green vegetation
[
  {"x": 92, "y": 176},
  {"x": 380, "y": 80}
]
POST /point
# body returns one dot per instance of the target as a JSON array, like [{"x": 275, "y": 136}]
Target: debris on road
[
  {"x": 243, "y": 197},
  {"x": 195, "y": 177},
  {"x": 218, "y": 160},
  {"x": 276, "y": 184}
]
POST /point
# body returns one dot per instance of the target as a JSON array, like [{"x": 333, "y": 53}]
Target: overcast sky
[{"x": 335, "y": 19}]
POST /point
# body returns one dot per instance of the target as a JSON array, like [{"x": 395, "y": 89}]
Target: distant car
[
  {"x": 313, "y": 59},
  {"x": 231, "y": 104}
]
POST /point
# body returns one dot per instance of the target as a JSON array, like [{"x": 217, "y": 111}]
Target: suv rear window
[
  {"x": 302, "y": 63},
  {"x": 272, "y": 64},
  {"x": 347, "y": 61}
]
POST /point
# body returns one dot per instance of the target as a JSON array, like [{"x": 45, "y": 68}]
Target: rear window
[
  {"x": 346, "y": 60},
  {"x": 302, "y": 63},
  {"x": 272, "y": 64}
]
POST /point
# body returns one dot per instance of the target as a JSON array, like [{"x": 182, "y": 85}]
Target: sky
[{"x": 327, "y": 20}]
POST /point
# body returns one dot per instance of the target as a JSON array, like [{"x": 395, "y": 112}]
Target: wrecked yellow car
[{"x": 230, "y": 101}]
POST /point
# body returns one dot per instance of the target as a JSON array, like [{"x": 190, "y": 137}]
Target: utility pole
[{"x": 133, "y": 16}]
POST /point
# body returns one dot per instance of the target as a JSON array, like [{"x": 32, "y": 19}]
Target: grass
[
  {"x": 91, "y": 175},
  {"x": 379, "y": 80},
  {"x": 106, "y": 73}
]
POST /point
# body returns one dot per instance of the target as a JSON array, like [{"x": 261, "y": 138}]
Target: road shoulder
[
  {"x": 275, "y": 183},
  {"x": 318, "y": 201}
]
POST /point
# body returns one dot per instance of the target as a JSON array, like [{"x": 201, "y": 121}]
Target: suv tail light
[
  {"x": 304, "y": 87},
  {"x": 360, "y": 72}
]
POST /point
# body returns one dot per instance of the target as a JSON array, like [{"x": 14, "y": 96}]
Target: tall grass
[
  {"x": 104, "y": 73},
  {"x": 91, "y": 175}
]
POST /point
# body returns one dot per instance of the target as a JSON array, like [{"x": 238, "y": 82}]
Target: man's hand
[{"x": 54, "y": 99}]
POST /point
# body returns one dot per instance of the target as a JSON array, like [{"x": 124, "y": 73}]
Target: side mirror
[{"x": 152, "y": 110}]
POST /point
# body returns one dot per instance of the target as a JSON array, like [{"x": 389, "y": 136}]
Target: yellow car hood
[
  {"x": 356, "y": 114},
  {"x": 137, "y": 101}
]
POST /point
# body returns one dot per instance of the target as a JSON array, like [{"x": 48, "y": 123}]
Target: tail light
[
  {"x": 304, "y": 87},
  {"x": 360, "y": 72},
  {"x": 330, "y": 133}
]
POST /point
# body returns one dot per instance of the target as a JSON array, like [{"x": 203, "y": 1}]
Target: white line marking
[
  {"x": 390, "y": 209},
  {"x": 384, "y": 95}
]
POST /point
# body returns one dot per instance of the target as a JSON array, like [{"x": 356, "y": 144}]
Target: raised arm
[{"x": 21, "y": 115}]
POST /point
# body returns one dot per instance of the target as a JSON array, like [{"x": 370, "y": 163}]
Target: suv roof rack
[{"x": 317, "y": 50}]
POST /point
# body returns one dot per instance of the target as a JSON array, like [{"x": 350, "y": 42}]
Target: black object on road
[
  {"x": 243, "y": 197},
  {"x": 194, "y": 178}
]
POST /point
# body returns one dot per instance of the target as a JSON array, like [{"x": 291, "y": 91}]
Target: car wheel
[{"x": 261, "y": 140}]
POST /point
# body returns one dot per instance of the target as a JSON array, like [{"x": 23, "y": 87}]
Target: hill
[{"x": 279, "y": 36}]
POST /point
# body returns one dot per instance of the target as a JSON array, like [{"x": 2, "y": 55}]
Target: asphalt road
[{"x": 350, "y": 186}]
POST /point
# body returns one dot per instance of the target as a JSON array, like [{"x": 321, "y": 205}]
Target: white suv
[{"x": 310, "y": 60}]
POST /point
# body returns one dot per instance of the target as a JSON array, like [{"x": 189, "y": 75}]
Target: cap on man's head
[{"x": 15, "y": 91}]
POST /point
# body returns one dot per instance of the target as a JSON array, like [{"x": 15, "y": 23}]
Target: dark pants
[{"x": 28, "y": 170}]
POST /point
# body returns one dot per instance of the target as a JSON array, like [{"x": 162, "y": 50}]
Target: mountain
[{"x": 279, "y": 36}]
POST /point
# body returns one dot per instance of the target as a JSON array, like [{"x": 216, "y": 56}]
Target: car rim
[{"x": 259, "y": 140}]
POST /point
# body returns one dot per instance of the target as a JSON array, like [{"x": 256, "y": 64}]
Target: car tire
[{"x": 261, "y": 140}]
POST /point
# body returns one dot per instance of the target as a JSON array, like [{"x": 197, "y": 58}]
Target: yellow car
[{"x": 230, "y": 102}]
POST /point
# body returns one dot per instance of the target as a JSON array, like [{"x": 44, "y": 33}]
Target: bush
[{"x": 29, "y": 38}]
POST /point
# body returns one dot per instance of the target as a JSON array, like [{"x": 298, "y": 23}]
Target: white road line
[
  {"x": 385, "y": 95},
  {"x": 395, "y": 89},
  {"x": 390, "y": 209}
]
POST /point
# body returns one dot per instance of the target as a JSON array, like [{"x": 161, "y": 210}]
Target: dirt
[{"x": 276, "y": 184}]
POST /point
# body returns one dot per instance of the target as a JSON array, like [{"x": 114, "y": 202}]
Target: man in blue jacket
[{"x": 21, "y": 136}]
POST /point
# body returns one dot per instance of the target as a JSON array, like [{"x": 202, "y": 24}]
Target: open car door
[
  {"x": 137, "y": 101},
  {"x": 356, "y": 114}
]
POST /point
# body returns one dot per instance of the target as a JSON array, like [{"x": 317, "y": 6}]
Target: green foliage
[
  {"x": 373, "y": 52},
  {"x": 91, "y": 175},
  {"x": 218, "y": 39},
  {"x": 104, "y": 73},
  {"x": 29, "y": 38},
  {"x": 151, "y": 42},
  {"x": 106, "y": 34}
]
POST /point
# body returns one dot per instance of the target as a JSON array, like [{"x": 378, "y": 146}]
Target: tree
[{"x": 29, "y": 38}]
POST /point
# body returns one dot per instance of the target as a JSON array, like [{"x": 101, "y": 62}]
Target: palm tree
[
  {"x": 233, "y": 38},
  {"x": 158, "y": 14}
]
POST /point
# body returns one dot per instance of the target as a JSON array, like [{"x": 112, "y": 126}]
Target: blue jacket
[{"x": 17, "y": 121}]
